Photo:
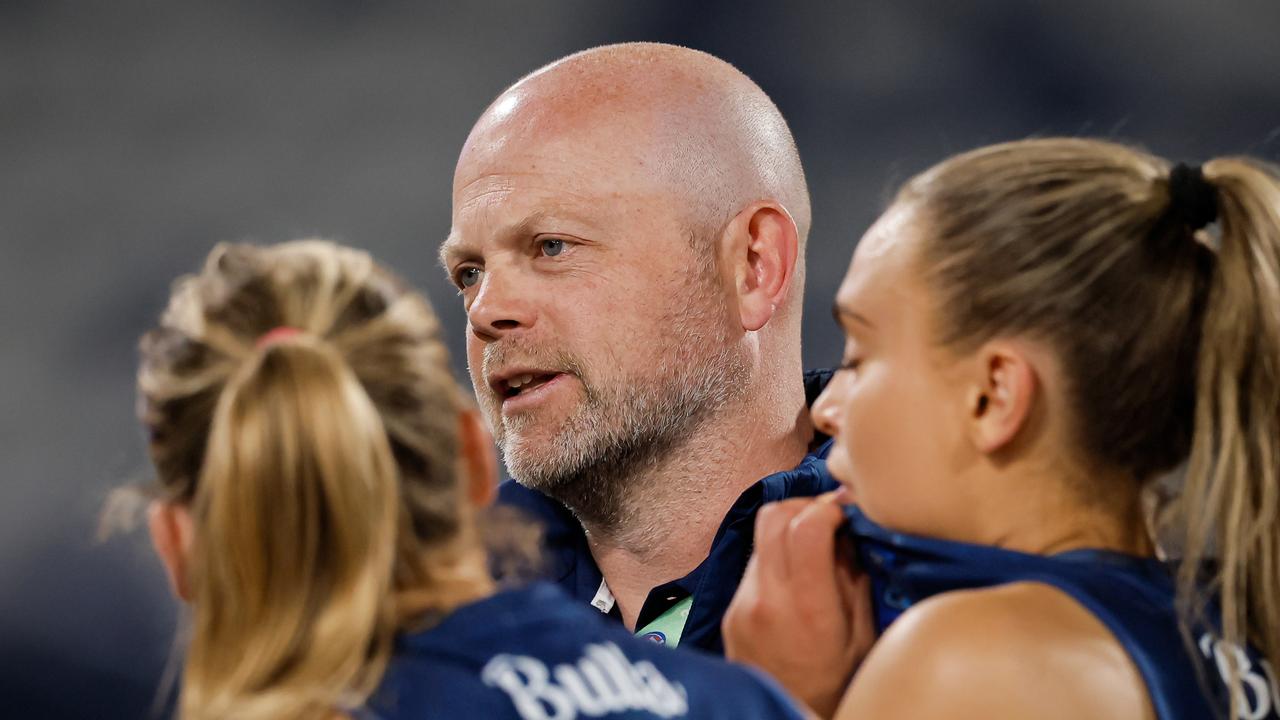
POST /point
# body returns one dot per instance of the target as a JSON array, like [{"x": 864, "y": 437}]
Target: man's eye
[
  {"x": 552, "y": 247},
  {"x": 468, "y": 276}
]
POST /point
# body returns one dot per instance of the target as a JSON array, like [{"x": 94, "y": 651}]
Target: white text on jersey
[{"x": 602, "y": 682}]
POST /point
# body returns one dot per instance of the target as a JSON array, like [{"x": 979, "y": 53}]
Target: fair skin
[
  {"x": 970, "y": 445},
  {"x": 173, "y": 529},
  {"x": 579, "y": 252}
]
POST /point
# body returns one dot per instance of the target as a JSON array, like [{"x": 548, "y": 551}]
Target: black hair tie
[{"x": 1192, "y": 199}]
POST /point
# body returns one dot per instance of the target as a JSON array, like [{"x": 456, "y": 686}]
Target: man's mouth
[{"x": 522, "y": 383}]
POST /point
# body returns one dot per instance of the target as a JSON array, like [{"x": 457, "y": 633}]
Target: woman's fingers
[
  {"x": 773, "y": 523},
  {"x": 794, "y": 611}
]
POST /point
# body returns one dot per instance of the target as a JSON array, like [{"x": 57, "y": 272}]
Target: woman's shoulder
[{"x": 1016, "y": 650}]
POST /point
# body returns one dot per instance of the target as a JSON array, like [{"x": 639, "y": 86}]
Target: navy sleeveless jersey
[
  {"x": 1132, "y": 596},
  {"x": 534, "y": 654}
]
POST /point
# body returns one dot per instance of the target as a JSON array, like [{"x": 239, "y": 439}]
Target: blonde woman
[
  {"x": 1034, "y": 332},
  {"x": 319, "y": 473}
]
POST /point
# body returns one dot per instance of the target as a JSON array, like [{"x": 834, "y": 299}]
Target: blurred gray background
[{"x": 134, "y": 135}]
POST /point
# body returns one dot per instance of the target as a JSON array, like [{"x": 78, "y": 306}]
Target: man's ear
[
  {"x": 761, "y": 246},
  {"x": 1003, "y": 390},
  {"x": 172, "y": 534},
  {"x": 479, "y": 465}
]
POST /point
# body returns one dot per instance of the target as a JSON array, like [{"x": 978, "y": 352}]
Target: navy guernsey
[
  {"x": 534, "y": 654},
  {"x": 1132, "y": 596},
  {"x": 712, "y": 584}
]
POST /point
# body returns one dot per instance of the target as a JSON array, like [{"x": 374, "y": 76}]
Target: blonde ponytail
[
  {"x": 296, "y": 507},
  {"x": 1231, "y": 499},
  {"x": 1169, "y": 337},
  {"x": 320, "y": 470}
]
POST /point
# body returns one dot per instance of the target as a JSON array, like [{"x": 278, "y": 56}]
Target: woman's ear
[
  {"x": 172, "y": 534},
  {"x": 479, "y": 460},
  {"x": 1003, "y": 391}
]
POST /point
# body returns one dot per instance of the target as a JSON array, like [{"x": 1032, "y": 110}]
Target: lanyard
[{"x": 667, "y": 628}]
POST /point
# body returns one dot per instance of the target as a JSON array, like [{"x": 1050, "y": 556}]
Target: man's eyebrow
[
  {"x": 841, "y": 313},
  {"x": 453, "y": 247},
  {"x": 450, "y": 248}
]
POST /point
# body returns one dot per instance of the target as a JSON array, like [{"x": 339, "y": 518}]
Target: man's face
[{"x": 598, "y": 326}]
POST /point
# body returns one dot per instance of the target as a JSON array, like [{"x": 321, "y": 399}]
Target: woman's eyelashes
[{"x": 852, "y": 356}]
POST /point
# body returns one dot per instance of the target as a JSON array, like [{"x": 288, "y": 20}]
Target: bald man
[{"x": 628, "y": 239}]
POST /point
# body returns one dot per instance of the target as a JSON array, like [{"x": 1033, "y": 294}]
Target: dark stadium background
[{"x": 134, "y": 135}]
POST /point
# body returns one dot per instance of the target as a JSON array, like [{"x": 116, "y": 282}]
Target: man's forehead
[
  {"x": 513, "y": 172},
  {"x": 561, "y": 179},
  {"x": 574, "y": 109},
  {"x": 575, "y": 162},
  {"x": 528, "y": 130},
  {"x": 510, "y": 198}
]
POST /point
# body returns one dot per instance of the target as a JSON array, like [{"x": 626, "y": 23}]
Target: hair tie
[
  {"x": 1192, "y": 199},
  {"x": 275, "y": 335}
]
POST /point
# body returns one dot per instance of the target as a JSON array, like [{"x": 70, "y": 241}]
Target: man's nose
[{"x": 503, "y": 305}]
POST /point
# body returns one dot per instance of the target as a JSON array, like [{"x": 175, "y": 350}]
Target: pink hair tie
[{"x": 275, "y": 335}]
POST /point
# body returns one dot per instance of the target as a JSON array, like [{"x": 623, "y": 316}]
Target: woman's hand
[{"x": 802, "y": 613}]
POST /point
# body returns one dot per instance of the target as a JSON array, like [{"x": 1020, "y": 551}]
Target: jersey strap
[{"x": 1133, "y": 596}]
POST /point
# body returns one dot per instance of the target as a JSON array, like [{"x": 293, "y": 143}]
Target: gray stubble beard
[{"x": 602, "y": 453}]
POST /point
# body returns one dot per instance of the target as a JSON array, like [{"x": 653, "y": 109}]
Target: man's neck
[{"x": 677, "y": 505}]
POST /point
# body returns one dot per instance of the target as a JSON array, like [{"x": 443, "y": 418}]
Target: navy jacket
[
  {"x": 712, "y": 584},
  {"x": 534, "y": 654},
  {"x": 1132, "y": 596}
]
